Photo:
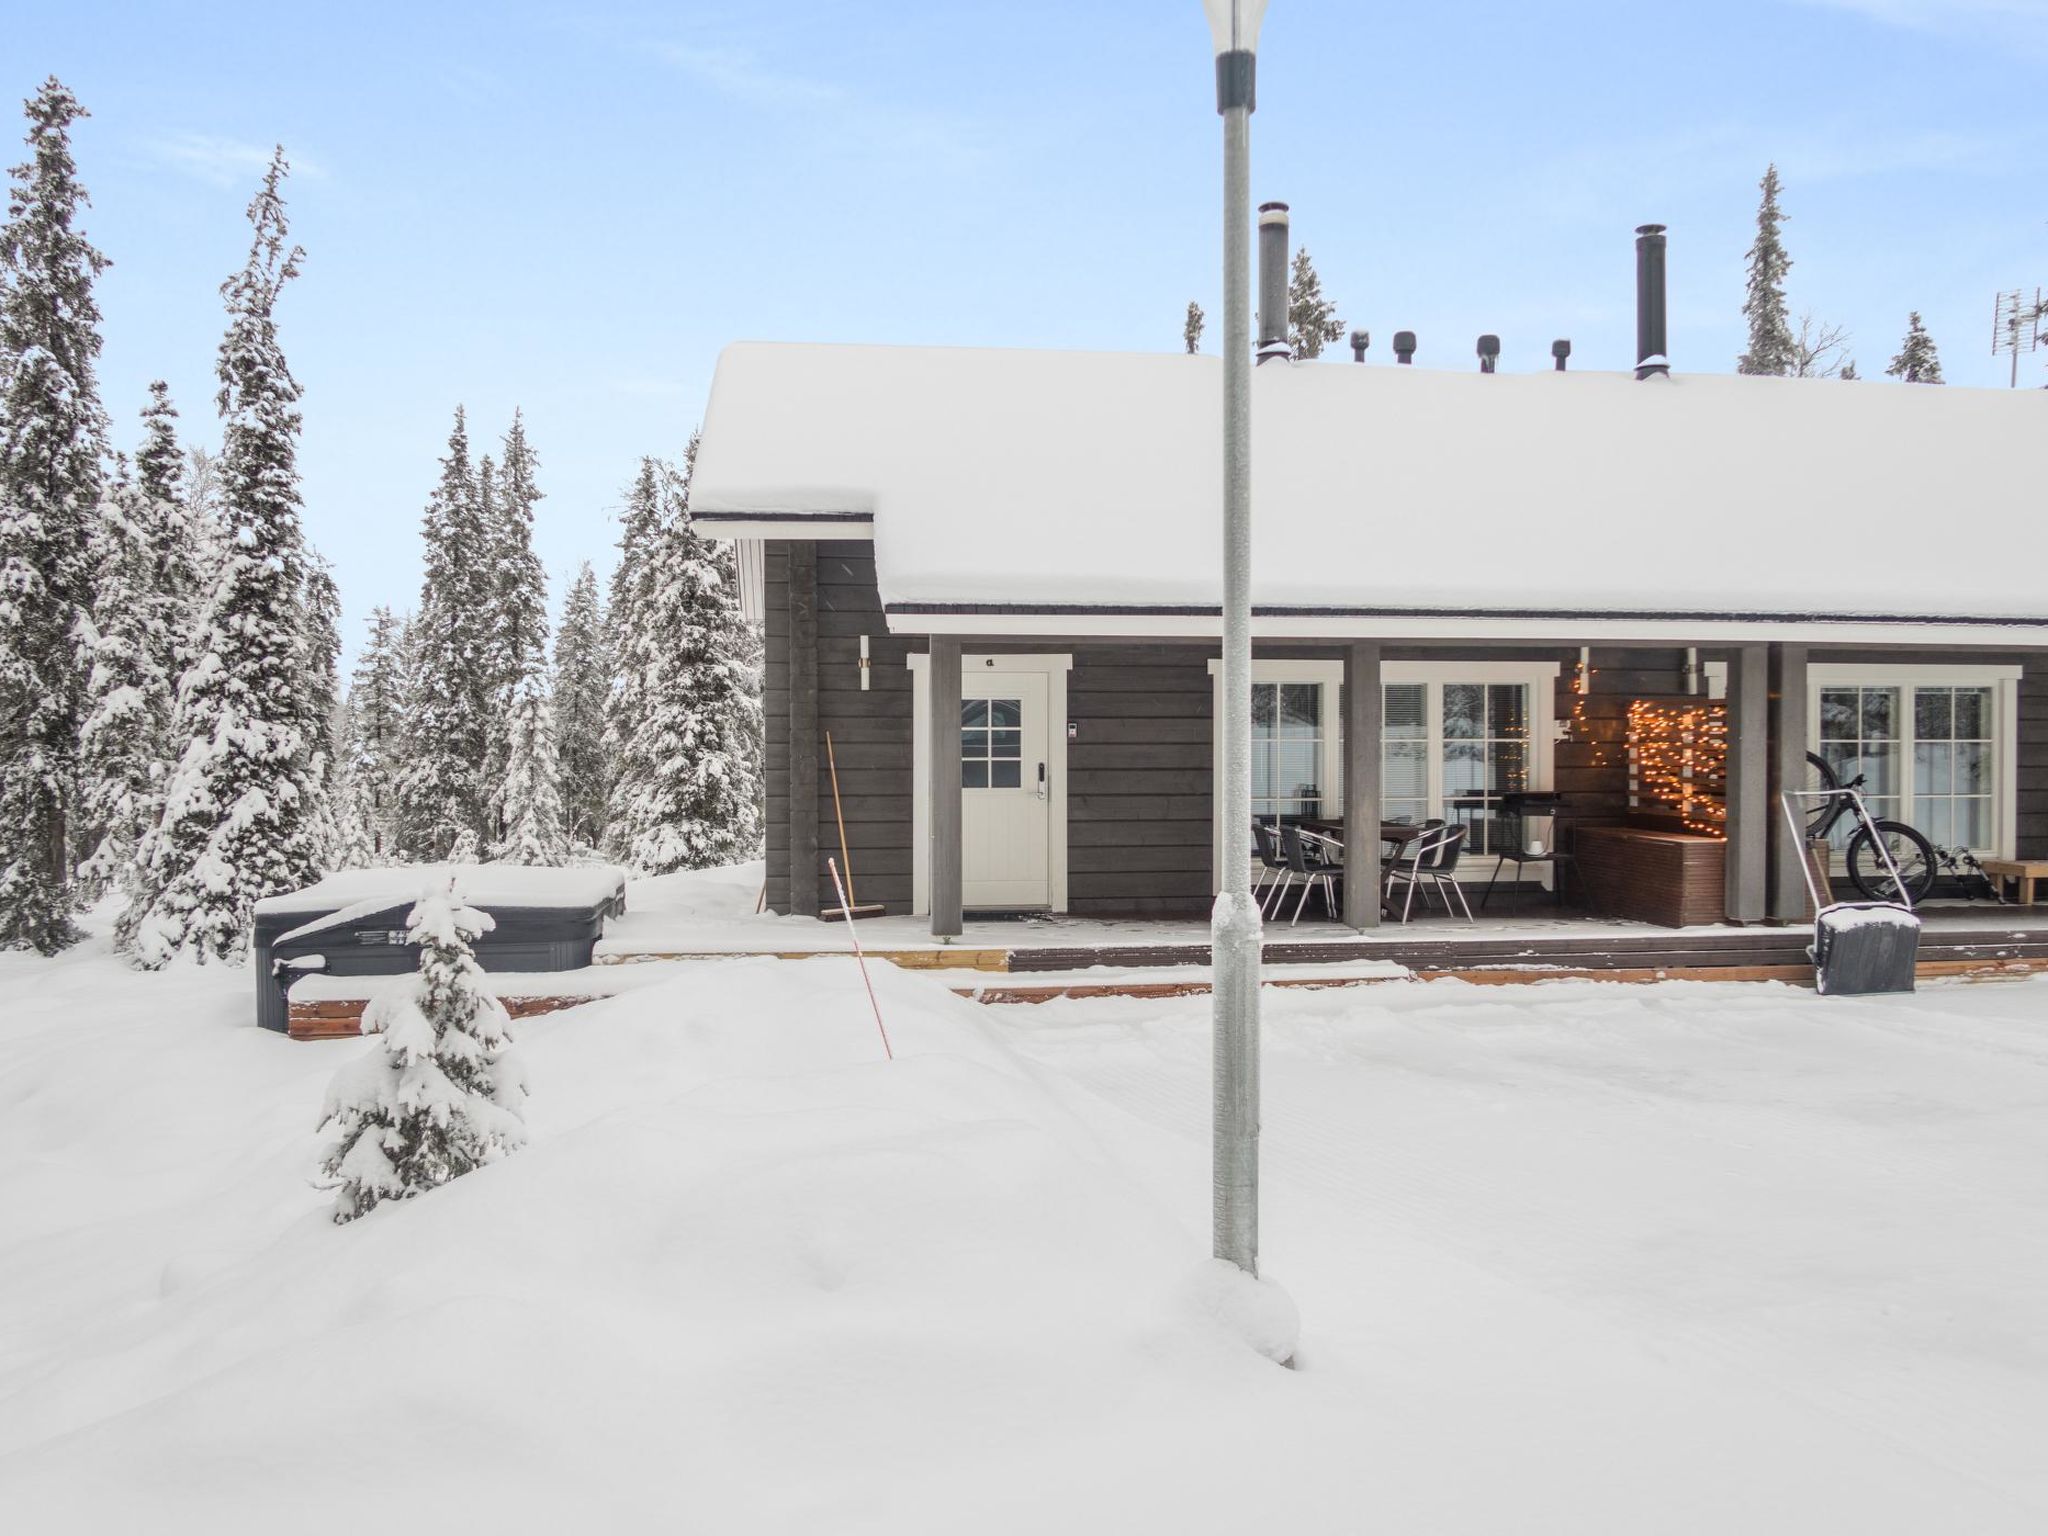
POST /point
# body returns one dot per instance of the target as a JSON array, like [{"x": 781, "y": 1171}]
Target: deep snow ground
[{"x": 1572, "y": 1258}]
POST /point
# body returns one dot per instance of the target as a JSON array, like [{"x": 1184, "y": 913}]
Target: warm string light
[
  {"x": 1580, "y": 729},
  {"x": 1678, "y": 760}
]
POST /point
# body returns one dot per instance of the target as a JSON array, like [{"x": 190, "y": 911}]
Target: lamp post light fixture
[{"x": 1235, "y": 929}]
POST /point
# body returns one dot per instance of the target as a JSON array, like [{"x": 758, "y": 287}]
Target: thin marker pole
[{"x": 862, "y": 960}]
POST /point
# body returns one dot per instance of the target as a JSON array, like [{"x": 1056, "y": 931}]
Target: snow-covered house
[{"x": 993, "y": 579}]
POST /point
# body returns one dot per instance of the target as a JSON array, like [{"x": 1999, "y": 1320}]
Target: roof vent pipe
[
  {"x": 1360, "y": 340},
  {"x": 1404, "y": 346},
  {"x": 1273, "y": 282},
  {"x": 1561, "y": 349},
  {"x": 1652, "y": 357},
  {"x": 1489, "y": 353}
]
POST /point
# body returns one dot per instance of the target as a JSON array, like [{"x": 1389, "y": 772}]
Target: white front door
[{"x": 1005, "y": 791}]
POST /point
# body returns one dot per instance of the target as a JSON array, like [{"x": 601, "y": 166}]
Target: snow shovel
[
  {"x": 850, "y": 907},
  {"x": 1859, "y": 947}
]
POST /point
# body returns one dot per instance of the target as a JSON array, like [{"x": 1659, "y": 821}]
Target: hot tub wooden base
[{"x": 1675, "y": 879}]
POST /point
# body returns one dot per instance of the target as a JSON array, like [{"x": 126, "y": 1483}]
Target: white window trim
[
  {"x": 1539, "y": 676},
  {"x": 2004, "y": 683},
  {"x": 1054, "y": 666}
]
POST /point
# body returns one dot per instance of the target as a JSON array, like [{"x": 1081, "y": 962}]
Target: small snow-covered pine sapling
[{"x": 440, "y": 1094}]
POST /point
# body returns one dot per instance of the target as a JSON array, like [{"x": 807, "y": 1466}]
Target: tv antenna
[{"x": 2017, "y": 325}]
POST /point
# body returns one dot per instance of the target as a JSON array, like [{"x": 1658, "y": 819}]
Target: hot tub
[{"x": 353, "y": 923}]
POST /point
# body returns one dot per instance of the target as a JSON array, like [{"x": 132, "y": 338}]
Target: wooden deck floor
[{"x": 1035, "y": 962}]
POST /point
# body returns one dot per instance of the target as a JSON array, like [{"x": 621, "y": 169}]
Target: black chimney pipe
[
  {"x": 1273, "y": 282},
  {"x": 1489, "y": 353},
  {"x": 1652, "y": 358},
  {"x": 1561, "y": 349},
  {"x": 1360, "y": 340},
  {"x": 1404, "y": 346}
]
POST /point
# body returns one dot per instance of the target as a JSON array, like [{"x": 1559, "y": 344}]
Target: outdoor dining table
[{"x": 1399, "y": 833}]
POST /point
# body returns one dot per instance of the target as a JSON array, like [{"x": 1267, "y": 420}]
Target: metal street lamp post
[{"x": 1235, "y": 935}]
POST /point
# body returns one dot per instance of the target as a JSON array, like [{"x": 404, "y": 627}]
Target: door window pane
[{"x": 991, "y": 757}]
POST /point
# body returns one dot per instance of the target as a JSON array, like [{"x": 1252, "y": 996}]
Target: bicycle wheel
[
  {"x": 1911, "y": 852},
  {"x": 1820, "y": 814}
]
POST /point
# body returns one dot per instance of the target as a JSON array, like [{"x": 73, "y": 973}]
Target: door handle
[{"x": 1041, "y": 781}]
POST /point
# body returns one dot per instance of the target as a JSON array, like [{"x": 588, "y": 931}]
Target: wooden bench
[{"x": 2025, "y": 874}]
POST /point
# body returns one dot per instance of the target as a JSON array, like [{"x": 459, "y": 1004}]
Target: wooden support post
[
  {"x": 1789, "y": 735},
  {"x": 1362, "y": 726},
  {"x": 944, "y": 718},
  {"x": 803, "y": 728},
  {"x": 1750, "y": 809}
]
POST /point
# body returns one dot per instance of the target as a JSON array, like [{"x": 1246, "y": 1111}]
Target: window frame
[
  {"x": 2004, "y": 682},
  {"x": 1540, "y": 677}
]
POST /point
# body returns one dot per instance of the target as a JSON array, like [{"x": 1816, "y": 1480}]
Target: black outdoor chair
[
  {"x": 1431, "y": 860},
  {"x": 1273, "y": 871},
  {"x": 1312, "y": 872}
]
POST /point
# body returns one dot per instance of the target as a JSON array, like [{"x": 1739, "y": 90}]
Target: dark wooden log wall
[
  {"x": 2033, "y": 785},
  {"x": 870, "y": 731},
  {"x": 1138, "y": 803},
  {"x": 1592, "y": 766}
]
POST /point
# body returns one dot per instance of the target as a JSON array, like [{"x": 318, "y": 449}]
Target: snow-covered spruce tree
[
  {"x": 441, "y": 791},
  {"x": 145, "y": 606},
  {"x": 519, "y": 600},
  {"x": 440, "y": 1094},
  {"x": 320, "y": 635},
  {"x": 583, "y": 682},
  {"x": 354, "y": 845},
  {"x": 121, "y": 742},
  {"x": 240, "y": 817},
  {"x": 522, "y": 582},
  {"x": 146, "y": 565},
  {"x": 1312, "y": 321},
  {"x": 685, "y": 795},
  {"x": 533, "y": 800},
  {"x": 1763, "y": 304},
  {"x": 640, "y": 528},
  {"x": 1191, "y": 331},
  {"x": 52, "y": 441},
  {"x": 1917, "y": 361},
  {"x": 372, "y": 746}
]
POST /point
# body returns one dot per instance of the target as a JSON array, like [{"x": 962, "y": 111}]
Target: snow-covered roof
[
  {"x": 500, "y": 886},
  {"x": 1013, "y": 491}
]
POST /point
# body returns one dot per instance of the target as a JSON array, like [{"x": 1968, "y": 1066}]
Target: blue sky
[{"x": 516, "y": 205}]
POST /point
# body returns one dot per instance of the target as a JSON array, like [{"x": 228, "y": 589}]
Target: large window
[
  {"x": 1455, "y": 738},
  {"x": 1451, "y": 749},
  {"x": 1933, "y": 744}
]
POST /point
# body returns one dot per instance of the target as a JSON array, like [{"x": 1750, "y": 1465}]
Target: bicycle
[{"x": 1912, "y": 854}]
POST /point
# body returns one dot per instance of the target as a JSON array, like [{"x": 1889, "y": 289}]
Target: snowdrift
[{"x": 743, "y": 1269}]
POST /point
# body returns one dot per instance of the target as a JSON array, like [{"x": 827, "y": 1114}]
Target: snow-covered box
[{"x": 353, "y": 923}]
